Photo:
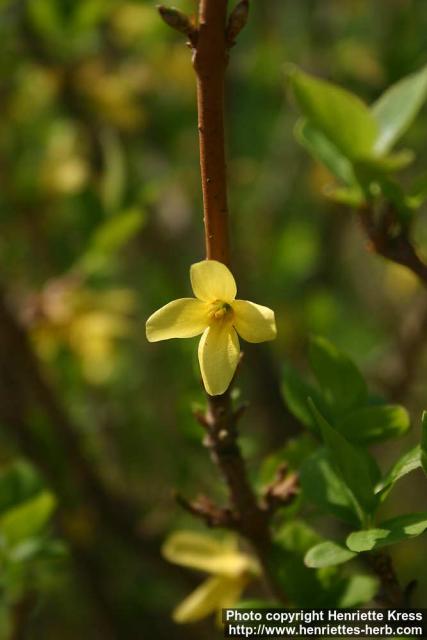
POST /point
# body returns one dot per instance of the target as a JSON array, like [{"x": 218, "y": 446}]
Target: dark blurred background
[{"x": 100, "y": 218}]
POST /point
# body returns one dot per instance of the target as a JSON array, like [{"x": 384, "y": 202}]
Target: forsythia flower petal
[
  {"x": 253, "y": 322},
  {"x": 219, "y": 353},
  {"x": 211, "y": 280},
  {"x": 213, "y": 594},
  {"x": 199, "y": 551},
  {"x": 183, "y": 318}
]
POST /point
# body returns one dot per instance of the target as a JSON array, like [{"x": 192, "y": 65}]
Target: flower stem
[{"x": 210, "y": 62}]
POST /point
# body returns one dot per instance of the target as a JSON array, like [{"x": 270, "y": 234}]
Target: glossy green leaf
[
  {"x": 324, "y": 151},
  {"x": 352, "y": 464},
  {"x": 370, "y": 424},
  {"x": 389, "y": 532},
  {"x": 28, "y": 519},
  {"x": 397, "y": 107},
  {"x": 341, "y": 116},
  {"x": 408, "y": 462},
  {"x": 424, "y": 442},
  {"x": 327, "y": 554},
  {"x": 339, "y": 378},
  {"x": 323, "y": 487}
]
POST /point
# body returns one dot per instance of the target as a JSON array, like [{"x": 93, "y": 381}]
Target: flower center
[{"x": 220, "y": 311}]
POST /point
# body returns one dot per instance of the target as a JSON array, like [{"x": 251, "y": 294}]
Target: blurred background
[{"x": 100, "y": 218}]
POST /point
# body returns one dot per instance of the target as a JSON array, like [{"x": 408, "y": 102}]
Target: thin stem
[{"x": 210, "y": 61}]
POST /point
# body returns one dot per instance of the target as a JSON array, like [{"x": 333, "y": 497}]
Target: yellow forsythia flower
[
  {"x": 230, "y": 572},
  {"x": 217, "y": 315}
]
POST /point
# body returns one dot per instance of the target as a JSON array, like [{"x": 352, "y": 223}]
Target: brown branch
[
  {"x": 391, "y": 594},
  {"x": 210, "y": 61},
  {"x": 204, "y": 508},
  {"x": 282, "y": 491},
  {"x": 391, "y": 241},
  {"x": 250, "y": 518}
]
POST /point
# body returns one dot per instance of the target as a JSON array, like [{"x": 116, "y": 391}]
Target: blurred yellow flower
[
  {"x": 90, "y": 323},
  {"x": 231, "y": 571},
  {"x": 217, "y": 315}
]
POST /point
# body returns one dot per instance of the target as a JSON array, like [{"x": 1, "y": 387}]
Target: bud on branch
[
  {"x": 237, "y": 20},
  {"x": 178, "y": 21}
]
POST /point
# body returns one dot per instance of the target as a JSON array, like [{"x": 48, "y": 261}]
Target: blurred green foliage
[{"x": 100, "y": 218}]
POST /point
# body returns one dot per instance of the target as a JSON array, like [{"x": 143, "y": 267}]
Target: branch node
[
  {"x": 237, "y": 21},
  {"x": 205, "y": 509},
  {"x": 202, "y": 418},
  {"x": 282, "y": 491}
]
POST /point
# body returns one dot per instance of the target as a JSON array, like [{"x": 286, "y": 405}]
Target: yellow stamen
[{"x": 220, "y": 310}]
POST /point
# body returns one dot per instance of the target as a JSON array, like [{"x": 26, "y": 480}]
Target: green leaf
[
  {"x": 339, "y": 378},
  {"x": 424, "y": 442},
  {"x": 308, "y": 587},
  {"x": 397, "y": 108},
  {"x": 296, "y": 392},
  {"x": 359, "y": 590},
  {"x": 327, "y": 554},
  {"x": 28, "y": 519},
  {"x": 389, "y": 532},
  {"x": 303, "y": 586},
  {"x": 371, "y": 424},
  {"x": 297, "y": 536},
  {"x": 322, "y": 150},
  {"x": 407, "y": 463},
  {"x": 322, "y": 486},
  {"x": 341, "y": 116},
  {"x": 352, "y": 464}
]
